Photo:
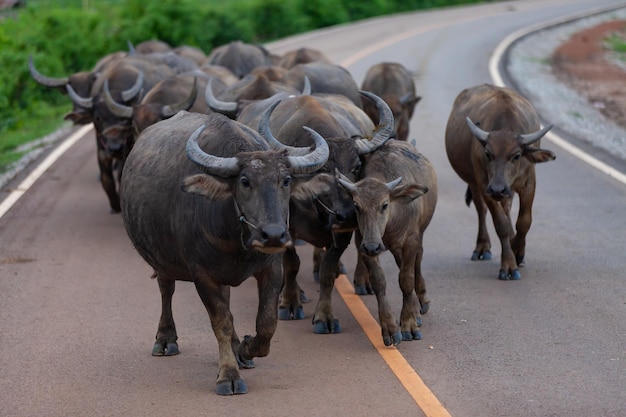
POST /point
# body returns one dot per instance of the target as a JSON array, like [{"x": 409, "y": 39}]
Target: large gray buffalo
[
  {"x": 492, "y": 141},
  {"x": 214, "y": 215},
  {"x": 392, "y": 217}
]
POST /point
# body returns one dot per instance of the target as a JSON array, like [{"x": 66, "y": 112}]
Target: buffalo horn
[
  {"x": 266, "y": 133},
  {"x": 224, "y": 107},
  {"x": 170, "y": 110},
  {"x": 480, "y": 134},
  {"x": 313, "y": 161},
  {"x": 392, "y": 184},
  {"x": 306, "y": 90},
  {"x": 213, "y": 165},
  {"x": 384, "y": 128},
  {"x": 118, "y": 109},
  {"x": 84, "y": 102},
  {"x": 345, "y": 182},
  {"x": 135, "y": 89},
  {"x": 531, "y": 138},
  {"x": 42, "y": 79}
]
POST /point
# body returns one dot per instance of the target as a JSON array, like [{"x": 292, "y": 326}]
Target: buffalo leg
[
  {"x": 483, "y": 243},
  {"x": 324, "y": 320},
  {"x": 107, "y": 179},
  {"x": 362, "y": 285},
  {"x": 504, "y": 229},
  {"x": 318, "y": 256},
  {"x": 524, "y": 221},
  {"x": 290, "y": 307},
  {"x": 166, "y": 337},
  {"x": 390, "y": 331},
  {"x": 216, "y": 300},
  {"x": 269, "y": 282}
]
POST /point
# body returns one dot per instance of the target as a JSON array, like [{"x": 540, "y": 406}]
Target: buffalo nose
[
  {"x": 274, "y": 235},
  {"x": 498, "y": 191},
  {"x": 372, "y": 249}
]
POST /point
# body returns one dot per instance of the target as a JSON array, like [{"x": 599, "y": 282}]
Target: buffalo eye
[
  {"x": 287, "y": 181},
  {"x": 356, "y": 208},
  {"x": 488, "y": 154},
  {"x": 516, "y": 157},
  {"x": 245, "y": 182},
  {"x": 384, "y": 207}
]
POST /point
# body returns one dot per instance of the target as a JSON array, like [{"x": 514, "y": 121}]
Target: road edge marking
[
  {"x": 27, "y": 182},
  {"x": 412, "y": 382}
]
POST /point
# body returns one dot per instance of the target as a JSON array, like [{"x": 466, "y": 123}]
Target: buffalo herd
[{"x": 219, "y": 163}]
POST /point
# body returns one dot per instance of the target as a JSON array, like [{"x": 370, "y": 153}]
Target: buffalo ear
[
  {"x": 206, "y": 185},
  {"x": 536, "y": 155},
  {"x": 307, "y": 188},
  {"x": 406, "y": 193}
]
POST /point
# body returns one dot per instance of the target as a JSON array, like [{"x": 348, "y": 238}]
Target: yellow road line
[{"x": 411, "y": 381}]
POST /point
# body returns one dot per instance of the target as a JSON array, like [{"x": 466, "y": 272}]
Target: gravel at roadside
[{"x": 529, "y": 68}]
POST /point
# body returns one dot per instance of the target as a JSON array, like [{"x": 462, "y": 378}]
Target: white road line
[{"x": 18, "y": 192}]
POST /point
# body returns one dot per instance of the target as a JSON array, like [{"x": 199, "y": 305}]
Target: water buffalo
[
  {"x": 80, "y": 82},
  {"x": 492, "y": 142},
  {"x": 239, "y": 57},
  {"x": 214, "y": 215},
  {"x": 302, "y": 55},
  {"x": 392, "y": 217},
  {"x": 393, "y": 83},
  {"x": 326, "y": 217}
]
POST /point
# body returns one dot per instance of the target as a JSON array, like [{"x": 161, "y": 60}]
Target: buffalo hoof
[
  {"x": 321, "y": 327},
  {"x": 484, "y": 256},
  {"x": 360, "y": 290},
  {"x": 170, "y": 349},
  {"x": 303, "y": 297},
  {"x": 412, "y": 335},
  {"x": 238, "y": 386},
  {"x": 512, "y": 276},
  {"x": 342, "y": 269},
  {"x": 289, "y": 314},
  {"x": 423, "y": 310},
  {"x": 244, "y": 363},
  {"x": 394, "y": 340}
]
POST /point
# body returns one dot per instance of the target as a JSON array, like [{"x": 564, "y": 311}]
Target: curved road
[{"x": 78, "y": 310}]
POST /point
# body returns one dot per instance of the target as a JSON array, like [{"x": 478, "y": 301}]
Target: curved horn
[
  {"x": 224, "y": 107},
  {"x": 131, "y": 48},
  {"x": 345, "y": 182},
  {"x": 306, "y": 90},
  {"x": 42, "y": 79},
  {"x": 170, "y": 110},
  {"x": 480, "y": 134},
  {"x": 385, "y": 126},
  {"x": 119, "y": 110},
  {"x": 313, "y": 161},
  {"x": 213, "y": 165},
  {"x": 266, "y": 133},
  {"x": 531, "y": 138},
  {"x": 84, "y": 102},
  {"x": 255, "y": 136},
  {"x": 135, "y": 89},
  {"x": 392, "y": 184}
]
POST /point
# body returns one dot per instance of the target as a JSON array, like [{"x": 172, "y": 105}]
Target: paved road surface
[{"x": 78, "y": 311}]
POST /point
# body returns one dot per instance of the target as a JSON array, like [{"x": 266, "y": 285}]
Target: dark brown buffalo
[
  {"x": 125, "y": 80},
  {"x": 492, "y": 141},
  {"x": 392, "y": 217},
  {"x": 393, "y": 83},
  {"x": 80, "y": 82},
  {"x": 302, "y": 55},
  {"x": 228, "y": 222},
  {"x": 326, "y": 218},
  {"x": 239, "y": 57},
  {"x": 325, "y": 78}
]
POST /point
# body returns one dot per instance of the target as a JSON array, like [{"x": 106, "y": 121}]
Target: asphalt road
[{"x": 78, "y": 310}]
